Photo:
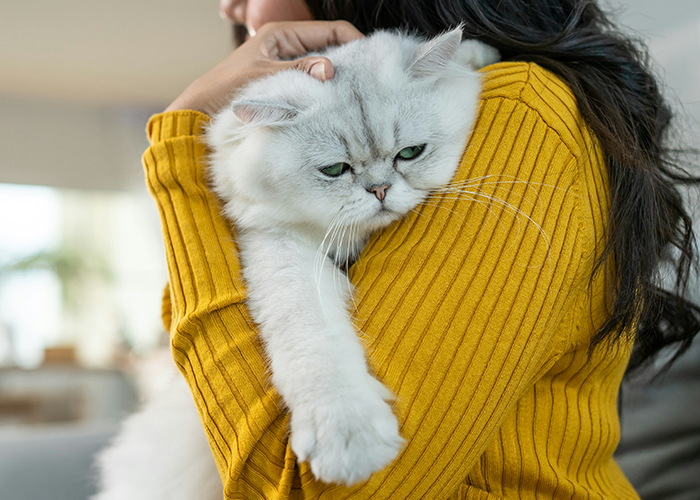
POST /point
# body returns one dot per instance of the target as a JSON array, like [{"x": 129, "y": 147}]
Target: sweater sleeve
[{"x": 461, "y": 306}]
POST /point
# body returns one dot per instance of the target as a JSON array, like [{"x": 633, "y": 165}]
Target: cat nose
[{"x": 379, "y": 191}]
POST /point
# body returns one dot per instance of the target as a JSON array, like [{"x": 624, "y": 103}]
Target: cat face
[{"x": 360, "y": 150}]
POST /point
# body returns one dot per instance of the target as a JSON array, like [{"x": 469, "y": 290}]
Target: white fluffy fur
[
  {"x": 296, "y": 226},
  {"x": 161, "y": 453}
]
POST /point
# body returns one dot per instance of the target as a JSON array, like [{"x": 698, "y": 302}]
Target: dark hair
[{"x": 621, "y": 102}]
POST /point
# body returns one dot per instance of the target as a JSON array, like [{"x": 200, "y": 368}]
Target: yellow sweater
[{"x": 478, "y": 314}]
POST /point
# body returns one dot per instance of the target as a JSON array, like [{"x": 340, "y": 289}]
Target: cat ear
[
  {"x": 263, "y": 112},
  {"x": 434, "y": 55}
]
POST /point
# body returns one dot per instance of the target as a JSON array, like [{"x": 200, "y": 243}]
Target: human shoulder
[
  {"x": 531, "y": 86},
  {"x": 530, "y": 127}
]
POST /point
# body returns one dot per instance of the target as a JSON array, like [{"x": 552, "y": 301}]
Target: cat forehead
[
  {"x": 381, "y": 55},
  {"x": 358, "y": 120},
  {"x": 358, "y": 134}
]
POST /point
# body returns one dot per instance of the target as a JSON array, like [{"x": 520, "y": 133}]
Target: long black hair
[{"x": 620, "y": 100}]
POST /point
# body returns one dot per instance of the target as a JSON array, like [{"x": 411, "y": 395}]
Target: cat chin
[
  {"x": 386, "y": 215},
  {"x": 382, "y": 218}
]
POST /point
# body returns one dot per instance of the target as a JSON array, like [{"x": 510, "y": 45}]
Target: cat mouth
[
  {"x": 384, "y": 210},
  {"x": 386, "y": 214}
]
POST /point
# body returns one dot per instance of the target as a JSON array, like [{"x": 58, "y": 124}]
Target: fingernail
[{"x": 318, "y": 71}]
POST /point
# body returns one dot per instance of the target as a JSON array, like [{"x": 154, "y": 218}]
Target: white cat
[{"x": 308, "y": 170}]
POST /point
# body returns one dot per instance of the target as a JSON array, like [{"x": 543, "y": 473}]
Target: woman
[{"x": 504, "y": 338}]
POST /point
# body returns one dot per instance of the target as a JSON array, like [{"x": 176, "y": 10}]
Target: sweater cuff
[{"x": 171, "y": 124}]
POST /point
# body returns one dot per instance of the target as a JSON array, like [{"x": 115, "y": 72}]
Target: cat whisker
[
  {"x": 343, "y": 246},
  {"x": 478, "y": 181},
  {"x": 321, "y": 254},
  {"x": 336, "y": 234},
  {"x": 492, "y": 199},
  {"x": 438, "y": 198},
  {"x": 318, "y": 259},
  {"x": 515, "y": 211},
  {"x": 437, "y": 205},
  {"x": 418, "y": 213},
  {"x": 457, "y": 188},
  {"x": 459, "y": 192},
  {"x": 488, "y": 207},
  {"x": 353, "y": 233}
]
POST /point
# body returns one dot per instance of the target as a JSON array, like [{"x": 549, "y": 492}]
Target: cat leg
[{"x": 341, "y": 421}]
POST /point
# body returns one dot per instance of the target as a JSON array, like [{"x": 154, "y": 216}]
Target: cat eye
[
  {"x": 336, "y": 169},
  {"x": 410, "y": 152}
]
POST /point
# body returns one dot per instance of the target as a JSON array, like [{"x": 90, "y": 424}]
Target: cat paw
[
  {"x": 475, "y": 55},
  {"x": 348, "y": 437}
]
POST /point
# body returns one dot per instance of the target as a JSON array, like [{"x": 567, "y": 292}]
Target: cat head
[{"x": 361, "y": 149}]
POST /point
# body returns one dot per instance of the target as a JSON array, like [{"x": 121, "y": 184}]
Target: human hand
[{"x": 263, "y": 55}]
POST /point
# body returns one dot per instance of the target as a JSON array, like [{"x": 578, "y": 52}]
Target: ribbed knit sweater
[{"x": 477, "y": 312}]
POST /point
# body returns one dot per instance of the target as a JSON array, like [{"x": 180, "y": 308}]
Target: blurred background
[{"x": 82, "y": 267}]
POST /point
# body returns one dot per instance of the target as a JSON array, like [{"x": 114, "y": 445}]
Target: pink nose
[{"x": 379, "y": 191}]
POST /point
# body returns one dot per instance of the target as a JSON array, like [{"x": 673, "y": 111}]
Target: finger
[
  {"x": 289, "y": 40},
  {"x": 320, "y": 68},
  {"x": 232, "y": 10}
]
